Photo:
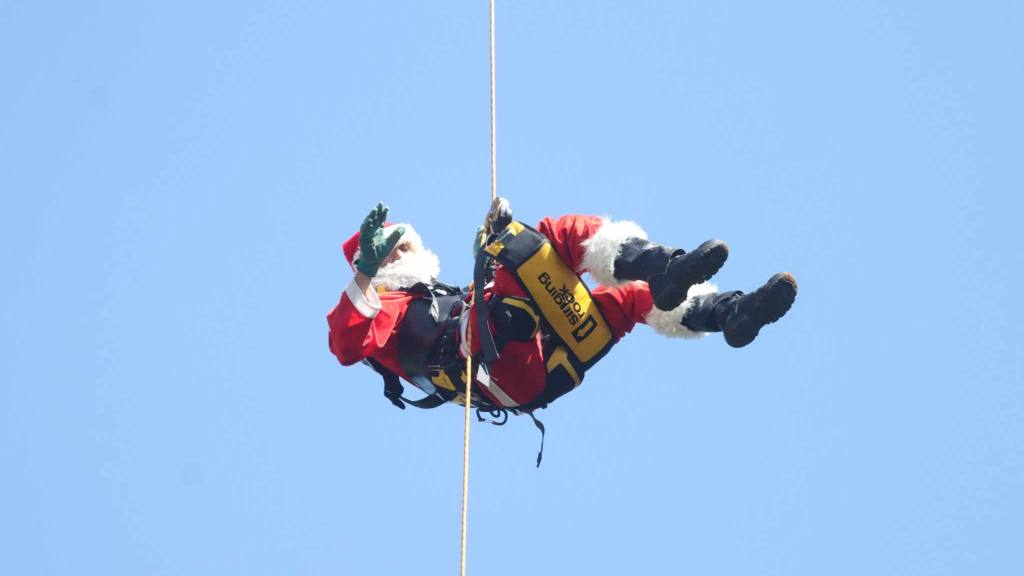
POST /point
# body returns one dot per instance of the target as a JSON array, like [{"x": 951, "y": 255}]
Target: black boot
[
  {"x": 741, "y": 316},
  {"x": 670, "y": 272},
  {"x": 684, "y": 271},
  {"x": 640, "y": 259}
]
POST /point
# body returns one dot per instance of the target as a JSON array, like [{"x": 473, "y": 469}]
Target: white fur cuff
[
  {"x": 601, "y": 249},
  {"x": 367, "y": 307},
  {"x": 670, "y": 323}
]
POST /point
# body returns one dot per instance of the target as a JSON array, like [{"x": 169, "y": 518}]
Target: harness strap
[
  {"x": 499, "y": 416},
  {"x": 393, "y": 389},
  {"x": 540, "y": 426},
  {"x": 483, "y": 332}
]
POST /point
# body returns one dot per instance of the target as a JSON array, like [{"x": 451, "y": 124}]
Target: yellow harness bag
[{"x": 562, "y": 298}]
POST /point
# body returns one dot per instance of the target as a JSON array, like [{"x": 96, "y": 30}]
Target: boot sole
[
  {"x": 691, "y": 269},
  {"x": 775, "y": 298}
]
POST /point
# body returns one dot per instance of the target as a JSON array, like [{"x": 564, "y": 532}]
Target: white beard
[{"x": 415, "y": 266}]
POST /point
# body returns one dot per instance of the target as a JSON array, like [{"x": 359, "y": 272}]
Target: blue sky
[{"x": 177, "y": 179}]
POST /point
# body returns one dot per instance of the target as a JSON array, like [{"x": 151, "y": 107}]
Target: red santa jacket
[{"x": 360, "y": 329}]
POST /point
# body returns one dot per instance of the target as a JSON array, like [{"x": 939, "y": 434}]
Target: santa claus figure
[{"x": 395, "y": 292}]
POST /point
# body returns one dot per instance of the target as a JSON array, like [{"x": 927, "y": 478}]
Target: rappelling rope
[
  {"x": 469, "y": 327},
  {"x": 494, "y": 157}
]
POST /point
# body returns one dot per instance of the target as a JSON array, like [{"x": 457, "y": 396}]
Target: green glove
[{"x": 373, "y": 247}]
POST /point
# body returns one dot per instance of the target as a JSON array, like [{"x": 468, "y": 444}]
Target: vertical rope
[
  {"x": 465, "y": 447},
  {"x": 469, "y": 328},
  {"x": 494, "y": 156}
]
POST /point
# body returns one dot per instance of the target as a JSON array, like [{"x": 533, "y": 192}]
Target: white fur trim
[
  {"x": 410, "y": 235},
  {"x": 601, "y": 249},
  {"x": 670, "y": 323},
  {"x": 367, "y": 307}
]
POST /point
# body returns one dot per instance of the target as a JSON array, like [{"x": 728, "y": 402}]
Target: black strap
[
  {"x": 483, "y": 332},
  {"x": 393, "y": 389},
  {"x": 392, "y": 385},
  {"x": 427, "y": 402},
  {"x": 540, "y": 426},
  {"x": 498, "y": 416}
]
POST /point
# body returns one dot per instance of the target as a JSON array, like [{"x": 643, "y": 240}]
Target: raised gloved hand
[{"x": 373, "y": 247}]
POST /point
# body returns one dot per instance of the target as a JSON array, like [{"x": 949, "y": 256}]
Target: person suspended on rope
[{"x": 544, "y": 327}]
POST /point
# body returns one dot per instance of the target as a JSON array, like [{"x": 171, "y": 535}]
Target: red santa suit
[{"x": 363, "y": 327}]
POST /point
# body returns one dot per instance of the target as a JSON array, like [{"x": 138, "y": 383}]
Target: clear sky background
[{"x": 177, "y": 178}]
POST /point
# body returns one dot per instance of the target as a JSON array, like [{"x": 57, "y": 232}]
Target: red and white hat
[{"x": 351, "y": 246}]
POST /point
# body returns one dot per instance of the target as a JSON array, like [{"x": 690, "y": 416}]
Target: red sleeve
[
  {"x": 567, "y": 235},
  {"x": 354, "y": 336}
]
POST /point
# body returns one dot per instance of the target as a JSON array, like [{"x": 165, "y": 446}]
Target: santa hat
[{"x": 351, "y": 246}]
